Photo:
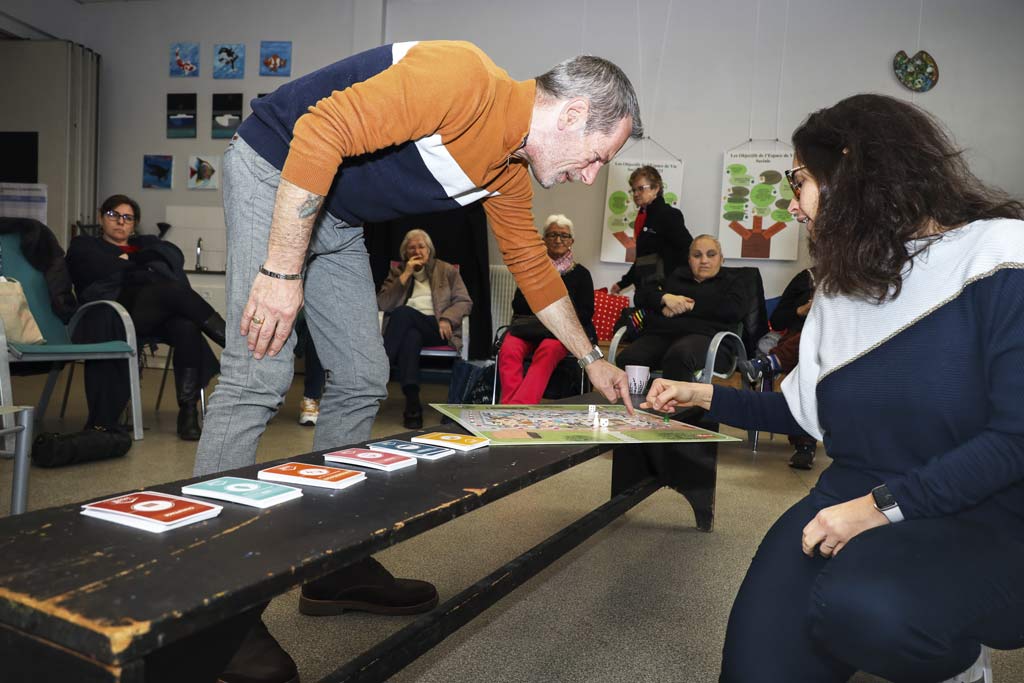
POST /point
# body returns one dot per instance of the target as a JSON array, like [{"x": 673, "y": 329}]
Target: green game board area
[{"x": 507, "y": 425}]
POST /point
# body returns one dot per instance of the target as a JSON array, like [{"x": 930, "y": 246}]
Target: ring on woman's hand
[{"x": 257, "y": 321}]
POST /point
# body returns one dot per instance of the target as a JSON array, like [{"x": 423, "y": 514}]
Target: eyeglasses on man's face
[
  {"x": 558, "y": 236},
  {"x": 128, "y": 218},
  {"x": 794, "y": 184},
  {"x": 637, "y": 189}
]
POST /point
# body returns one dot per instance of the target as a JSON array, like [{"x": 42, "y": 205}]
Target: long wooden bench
[{"x": 87, "y": 601}]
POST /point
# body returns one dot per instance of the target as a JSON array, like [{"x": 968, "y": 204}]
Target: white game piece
[
  {"x": 596, "y": 421},
  {"x": 604, "y": 423},
  {"x": 591, "y": 410}
]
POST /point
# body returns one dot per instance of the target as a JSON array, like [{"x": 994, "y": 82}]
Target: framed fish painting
[
  {"x": 276, "y": 58},
  {"x": 157, "y": 171},
  {"x": 204, "y": 172},
  {"x": 229, "y": 60},
  {"x": 184, "y": 61}
]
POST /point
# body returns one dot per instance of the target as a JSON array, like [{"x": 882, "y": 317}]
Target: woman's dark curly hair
[
  {"x": 116, "y": 200},
  {"x": 885, "y": 170}
]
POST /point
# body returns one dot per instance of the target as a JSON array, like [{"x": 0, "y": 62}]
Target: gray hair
[
  {"x": 714, "y": 239},
  {"x": 416, "y": 232},
  {"x": 603, "y": 84},
  {"x": 559, "y": 219}
]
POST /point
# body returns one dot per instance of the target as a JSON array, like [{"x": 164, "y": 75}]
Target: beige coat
[{"x": 447, "y": 291}]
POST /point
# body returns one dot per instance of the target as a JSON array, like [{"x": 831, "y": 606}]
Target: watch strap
[
  {"x": 594, "y": 355},
  {"x": 886, "y": 503}
]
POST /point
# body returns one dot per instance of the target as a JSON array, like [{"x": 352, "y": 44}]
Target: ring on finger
[{"x": 257, "y": 320}]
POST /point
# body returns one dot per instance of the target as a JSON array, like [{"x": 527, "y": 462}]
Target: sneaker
[
  {"x": 756, "y": 368},
  {"x": 979, "y": 672},
  {"x": 309, "y": 411}
]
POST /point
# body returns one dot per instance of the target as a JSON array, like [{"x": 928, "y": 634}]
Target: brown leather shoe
[
  {"x": 366, "y": 586},
  {"x": 260, "y": 659}
]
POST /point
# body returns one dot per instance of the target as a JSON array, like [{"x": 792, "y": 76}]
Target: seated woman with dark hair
[
  {"x": 146, "y": 275},
  {"x": 424, "y": 300},
  {"x": 526, "y": 334},
  {"x": 695, "y": 302}
]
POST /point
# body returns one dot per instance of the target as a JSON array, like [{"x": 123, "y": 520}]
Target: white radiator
[{"x": 503, "y": 288}]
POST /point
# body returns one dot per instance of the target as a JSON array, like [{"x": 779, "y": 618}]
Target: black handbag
[
  {"x": 57, "y": 450},
  {"x": 529, "y": 328}
]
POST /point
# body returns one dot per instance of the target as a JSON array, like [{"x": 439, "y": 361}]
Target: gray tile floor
[{"x": 645, "y": 599}]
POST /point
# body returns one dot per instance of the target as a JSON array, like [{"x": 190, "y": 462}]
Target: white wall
[
  {"x": 134, "y": 39},
  {"x": 696, "y": 63},
  {"x": 708, "y": 73}
]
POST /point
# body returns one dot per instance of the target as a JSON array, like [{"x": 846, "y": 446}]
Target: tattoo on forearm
[{"x": 310, "y": 206}]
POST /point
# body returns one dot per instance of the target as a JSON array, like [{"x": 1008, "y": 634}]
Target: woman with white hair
[
  {"x": 527, "y": 335},
  {"x": 424, "y": 300}
]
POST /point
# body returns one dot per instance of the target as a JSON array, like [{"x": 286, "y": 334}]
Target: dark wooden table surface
[{"x": 103, "y": 595}]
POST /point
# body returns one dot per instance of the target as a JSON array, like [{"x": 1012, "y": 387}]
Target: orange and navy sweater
[{"x": 412, "y": 128}]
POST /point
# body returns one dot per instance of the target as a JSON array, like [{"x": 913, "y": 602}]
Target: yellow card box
[{"x": 460, "y": 442}]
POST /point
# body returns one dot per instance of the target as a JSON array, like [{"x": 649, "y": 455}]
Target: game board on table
[{"x": 532, "y": 424}]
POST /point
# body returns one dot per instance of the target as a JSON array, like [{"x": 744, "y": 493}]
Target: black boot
[
  {"x": 186, "y": 381},
  {"x": 215, "y": 328},
  {"x": 412, "y": 418},
  {"x": 260, "y": 659}
]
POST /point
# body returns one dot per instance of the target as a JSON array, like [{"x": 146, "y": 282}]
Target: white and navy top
[{"x": 924, "y": 392}]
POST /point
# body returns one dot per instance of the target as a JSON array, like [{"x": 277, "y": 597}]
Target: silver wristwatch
[{"x": 595, "y": 354}]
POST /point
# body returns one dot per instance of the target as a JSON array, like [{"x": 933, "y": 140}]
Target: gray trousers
[{"x": 340, "y": 307}]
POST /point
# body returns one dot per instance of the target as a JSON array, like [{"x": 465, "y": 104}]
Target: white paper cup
[{"x": 638, "y": 376}]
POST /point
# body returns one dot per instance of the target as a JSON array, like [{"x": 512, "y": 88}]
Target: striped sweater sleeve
[{"x": 411, "y": 99}]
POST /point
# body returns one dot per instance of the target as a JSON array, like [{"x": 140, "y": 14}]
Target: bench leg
[{"x": 689, "y": 468}]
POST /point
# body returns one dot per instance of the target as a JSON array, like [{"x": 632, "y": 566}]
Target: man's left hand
[
  {"x": 833, "y": 527},
  {"x": 445, "y": 329},
  {"x": 610, "y": 381}
]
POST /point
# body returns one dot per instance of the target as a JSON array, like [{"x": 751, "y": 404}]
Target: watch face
[{"x": 883, "y": 499}]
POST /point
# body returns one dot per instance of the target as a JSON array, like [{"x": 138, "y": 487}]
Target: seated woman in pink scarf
[{"x": 527, "y": 335}]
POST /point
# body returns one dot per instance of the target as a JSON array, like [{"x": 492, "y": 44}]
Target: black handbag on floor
[{"x": 57, "y": 450}]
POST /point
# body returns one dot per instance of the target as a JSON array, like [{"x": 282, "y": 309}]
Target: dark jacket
[
  {"x": 581, "y": 293},
  {"x": 40, "y": 248},
  {"x": 664, "y": 234},
  {"x": 99, "y": 272},
  {"x": 797, "y": 293},
  {"x": 719, "y": 304},
  {"x": 447, "y": 292}
]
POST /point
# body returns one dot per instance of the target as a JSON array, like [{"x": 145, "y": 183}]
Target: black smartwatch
[{"x": 886, "y": 503}]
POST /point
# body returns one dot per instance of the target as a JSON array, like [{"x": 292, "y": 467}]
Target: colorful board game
[{"x": 553, "y": 423}]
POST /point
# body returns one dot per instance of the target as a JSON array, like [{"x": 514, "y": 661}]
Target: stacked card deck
[
  {"x": 312, "y": 475},
  {"x": 363, "y": 457},
  {"x": 416, "y": 450},
  {"x": 259, "y": 494},
  {"x": 151, "y": 511},
  {"x": 460, "y": 442}
]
